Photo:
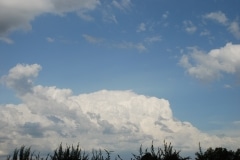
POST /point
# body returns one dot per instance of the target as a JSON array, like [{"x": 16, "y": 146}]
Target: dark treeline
[{"x": 165, "y": 153}]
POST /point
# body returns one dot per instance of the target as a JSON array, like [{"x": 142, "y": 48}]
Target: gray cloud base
[{"x": 16, "y": 14}]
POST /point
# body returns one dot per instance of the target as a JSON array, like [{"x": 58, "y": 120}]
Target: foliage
[
  {"x": 24, "y": 154},
  {"x": 167, "y": 153},
  {"x": 218, "y": 153},
  {"x": 97, "y": 155},
  {"x": 70, "y": 153}
]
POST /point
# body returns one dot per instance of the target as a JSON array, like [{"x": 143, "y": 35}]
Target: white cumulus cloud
[
  {"x": 116, "y": 120},
  {"x": 20, "y": 77},
  {"x": 212, "y": 65}
]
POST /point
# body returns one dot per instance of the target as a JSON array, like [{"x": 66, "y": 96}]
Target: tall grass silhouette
[{"x": 152, "y": 153}]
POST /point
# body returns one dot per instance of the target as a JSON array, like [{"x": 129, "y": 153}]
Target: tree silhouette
[
  {"x": 165, "y": 153},
  {"x": 218, "y": 153}
]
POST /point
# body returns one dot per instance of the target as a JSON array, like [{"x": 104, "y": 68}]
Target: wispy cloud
[
  {"x": 6, "y": 40},
  {"x": 122, "y": 4},
  {"x": 228, "y": 86},
  {"x": 205, "y": 33},
  {"x": 219, "y": 17},
  {"x": 85, "y": 16},
  {"x": 189, "y": 27},
  {"x": 50, "y": 40},
  {"x": 141, "y": 27},
  {"x": 109, "y": 17},
  {"x": 129, "y": 45},
  {"x": 165, "y": 15},
  {"x": 92, "y": 39},
  {"x": 153, "y": 39},
  {"x": 235, "y": 29}
]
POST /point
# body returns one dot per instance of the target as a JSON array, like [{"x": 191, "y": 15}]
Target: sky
[{"x": 116, "y": 74}]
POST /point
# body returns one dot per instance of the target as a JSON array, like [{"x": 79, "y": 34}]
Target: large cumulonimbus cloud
[
  {"x": 115, "y": 120},
  {"x": 214, "y": 64}
]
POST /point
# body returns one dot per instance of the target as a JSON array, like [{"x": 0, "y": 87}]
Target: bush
[
  {"x": 218, "y": 153},
  {"x": 24, "y": 154},
  {"x": 167, "y": 153},
  {"x": 69, "y": 153}
]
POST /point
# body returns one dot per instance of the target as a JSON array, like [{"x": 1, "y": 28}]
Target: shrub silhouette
[
  {"x": 148, "y": 156},
  {"x": 70, "y": 153},
  {"x": 23, "y": 154},
  {"x": 218, "y": 153},
  {"x": 167, "y": 153}
]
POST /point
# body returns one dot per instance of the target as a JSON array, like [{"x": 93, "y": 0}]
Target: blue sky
[{"x": 186, "y": 52}]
